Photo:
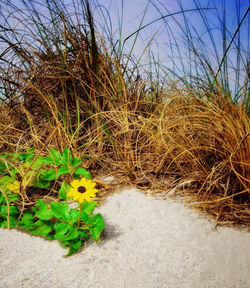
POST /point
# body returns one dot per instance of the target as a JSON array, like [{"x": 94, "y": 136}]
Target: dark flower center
[{"x": 81, "y": 189}]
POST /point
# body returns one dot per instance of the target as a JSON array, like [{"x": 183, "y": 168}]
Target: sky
[
  {"x": 162, "y": 34},
  {"x": 164, "y": 39}
]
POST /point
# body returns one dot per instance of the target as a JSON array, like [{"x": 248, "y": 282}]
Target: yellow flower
[
  {"x": 14, "y": 187},
  {"x": 82, "y": 190}
]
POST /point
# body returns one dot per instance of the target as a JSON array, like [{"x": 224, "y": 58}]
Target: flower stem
[{"x": 79, "y": 218}]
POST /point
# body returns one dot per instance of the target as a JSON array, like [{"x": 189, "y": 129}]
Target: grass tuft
[{"x": 64, "y": 85}]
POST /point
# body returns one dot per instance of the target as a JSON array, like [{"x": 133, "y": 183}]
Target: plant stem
[
  {"x": 79, "y": 219},
  {"x": 8, "y": 207}
]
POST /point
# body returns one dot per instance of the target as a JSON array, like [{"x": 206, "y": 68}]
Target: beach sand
[{"x": 147, "y": 243}]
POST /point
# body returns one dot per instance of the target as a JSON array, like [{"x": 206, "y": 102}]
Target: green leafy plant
[
  {"x": 8, "y": 211},
  {"x": 55, "y": 220},
  {"x": 38, "y": 171},
  {"x": 50, "y": 219}
]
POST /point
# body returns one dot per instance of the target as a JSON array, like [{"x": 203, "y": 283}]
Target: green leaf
[
  {"x": 61, "y": 229},
  {"x": 66, "y": 157},
  {"x": 2, "y": 166},
  {"x": 50, "y": 237},
  {"x": 83, "y": 234},
  {"x": 59, "y": 210},
  {"x": 13, "y": 197},
  {"x": 26, "y": 221},
  {"x": 2, "y": 198},
  {"x": 5, "y": 180},
  {"x": 64, "y": 190},
  {"x": 30, "y": 174},
  {"x": 97, "y": 226},
  {"x": 76, "y": 161},
  {"x": 39, "y": 182},
  {"x": 89, "y": 207},
  {"x": 13, "y": 211},
  {"x": 45, "y": 213},
  {"x": 63, "y": 170},
  {"x": 47, "y": 160},
  {"x": 98, "y": 220},
  {"x": 42, "y": 228},
  {"x": 72, "y": 234},
  {"x": 31, "y": 150},
  {"x": 85, "y": 217},
  {"x": 25, "y": 156},
  {"x": 13, "y": 173},
  {"x": 73, "y": 215},
  {"x": 12, "y": 222},
  {"x": 14, "y": 156},
  {"x": 64, "y": 243},
  {"x": 39, "y": 162},
  {"x": 95, "y": 232},
  {"x": 66, "y": 232},
  {"x": 56, "y": 156},
  {"x": 40, "y": 204},
  {"x": 83, "y": 173},
  {"x": 5, "y": 155},
  {"x": 48, "y": 175},
  {"x": 74, "y": 246}
]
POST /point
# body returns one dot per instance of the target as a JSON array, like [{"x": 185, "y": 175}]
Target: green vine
[{"x": 21, "y": 173}]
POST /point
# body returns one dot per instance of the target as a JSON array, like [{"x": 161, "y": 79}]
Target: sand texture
[{"x": 148, "y": 243}]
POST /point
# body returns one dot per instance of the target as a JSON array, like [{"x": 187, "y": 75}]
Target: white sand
[{"x": 148, "y": 243}]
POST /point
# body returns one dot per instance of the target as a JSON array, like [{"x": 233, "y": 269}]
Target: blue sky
[
  {"x": 168, "y": 35},
  {"x": 165, "y": 38}
]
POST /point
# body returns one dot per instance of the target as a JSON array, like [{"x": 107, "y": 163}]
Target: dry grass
[
  {"x": 201, "y": 147},
  {"x": 194, "y": 142}
]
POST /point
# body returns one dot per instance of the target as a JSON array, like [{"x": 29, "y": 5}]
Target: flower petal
[
  {"x": 75, "y": 183},
  {"x": 83, "y": 182},
  {"x": 87, "y": 198},
  {"x": 81, "y": 199},
  {"x": 82, "y": 196},
  {"x": 76, "y": 196},
  {"x": 71, "y": 192}
]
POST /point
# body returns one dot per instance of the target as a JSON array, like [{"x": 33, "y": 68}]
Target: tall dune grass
[{"x": 189, "y": 137}]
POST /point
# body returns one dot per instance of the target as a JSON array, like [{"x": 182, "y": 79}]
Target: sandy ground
[{"x": 148, "y": 243}]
